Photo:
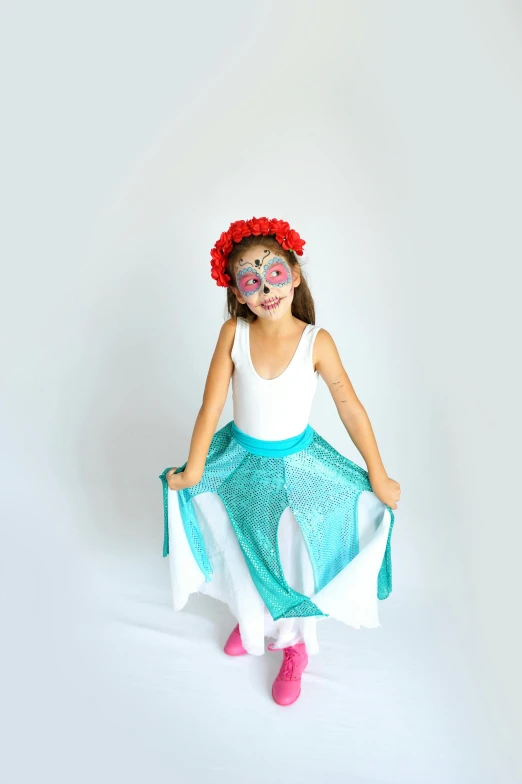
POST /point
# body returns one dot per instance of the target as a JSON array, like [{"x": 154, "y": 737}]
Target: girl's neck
[{"x": 278, "y": 328}]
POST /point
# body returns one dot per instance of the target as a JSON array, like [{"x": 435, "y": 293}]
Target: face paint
[
  {"x": 267, "y": 289},
  {"x": 277, "y": 272},
  {"x": 248, "y": 281}
]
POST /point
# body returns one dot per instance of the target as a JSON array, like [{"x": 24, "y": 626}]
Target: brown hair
[{"x": 302, "y": 304}]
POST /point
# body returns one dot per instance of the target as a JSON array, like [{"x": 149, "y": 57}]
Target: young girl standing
[{"x": 265, "y": 514}]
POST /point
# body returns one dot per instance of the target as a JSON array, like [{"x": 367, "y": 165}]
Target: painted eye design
[
  {"x": 277, "y": 272},
  {"x": 248, "y": 281}
]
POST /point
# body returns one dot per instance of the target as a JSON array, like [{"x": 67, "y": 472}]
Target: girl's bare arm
[
  {"x": 353, "y": 416},
  {"x": 214, "y": 399}
]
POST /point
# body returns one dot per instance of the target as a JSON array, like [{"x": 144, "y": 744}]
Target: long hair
[{"x": 302, "y": 304}]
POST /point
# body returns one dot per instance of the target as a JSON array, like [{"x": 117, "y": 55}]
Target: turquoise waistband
[{"x": 286, "y": 446}]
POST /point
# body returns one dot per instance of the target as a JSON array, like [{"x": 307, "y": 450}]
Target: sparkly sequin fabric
[{"x": 321, "y": 487}]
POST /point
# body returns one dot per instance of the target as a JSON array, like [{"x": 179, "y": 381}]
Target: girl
[{"x": 265, "y": 514}]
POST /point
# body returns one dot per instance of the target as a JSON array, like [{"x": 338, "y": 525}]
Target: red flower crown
[{"x": 287, "y": 238}]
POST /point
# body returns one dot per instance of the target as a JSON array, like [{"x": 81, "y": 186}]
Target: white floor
[
  {"x": 396, "y": 704},
  {"x": 103, "y": 682}
]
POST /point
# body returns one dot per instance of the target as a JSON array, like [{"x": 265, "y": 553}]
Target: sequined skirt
[{"x": 285, "y": 532}]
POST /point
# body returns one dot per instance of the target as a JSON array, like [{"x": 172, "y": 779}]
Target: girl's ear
[{"x": 296, "y": 277}]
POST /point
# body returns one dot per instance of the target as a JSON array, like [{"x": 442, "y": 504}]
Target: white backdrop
[{"x": 388, "y": 135}]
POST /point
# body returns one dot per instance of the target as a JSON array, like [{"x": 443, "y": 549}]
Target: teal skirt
[{"x": 256, "y": 481}]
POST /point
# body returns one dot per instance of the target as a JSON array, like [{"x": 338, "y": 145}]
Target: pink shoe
[
  {"x": 287, "y": 685},
  {"x": 234, "y": 646}
]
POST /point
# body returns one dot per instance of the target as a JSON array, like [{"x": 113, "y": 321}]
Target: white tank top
[{"x": 275, "y": 408}]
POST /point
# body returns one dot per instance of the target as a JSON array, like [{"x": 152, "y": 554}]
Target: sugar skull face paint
[
  {"x": 265, "y": 282},
  {"x": 249, "y": 281},
  {"x": 275, "y": 273}
]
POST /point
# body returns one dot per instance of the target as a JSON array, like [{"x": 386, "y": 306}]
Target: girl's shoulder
[
  {"x": 230, "y": 329},
  {"x": 323, "y": 337},
  {"x": 226, "y": 335},
  {"x": 232, "y": 321},
  {"x": 325, "y": 349},
  {"x": 231, "y": 325}
]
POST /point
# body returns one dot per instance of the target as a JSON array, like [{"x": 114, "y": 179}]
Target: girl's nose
[{"x": 266, "y": 289}]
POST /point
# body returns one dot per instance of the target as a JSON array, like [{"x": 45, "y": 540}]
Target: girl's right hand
[{"x": 180, "y": 481}]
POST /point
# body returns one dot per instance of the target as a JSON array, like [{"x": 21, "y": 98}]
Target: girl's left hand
[
  {"x": 179, "y": 481},
  {"x": 387, "y": 490}
]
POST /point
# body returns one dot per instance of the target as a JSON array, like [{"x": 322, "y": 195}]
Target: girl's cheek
[{"x": 252, "y": 301}]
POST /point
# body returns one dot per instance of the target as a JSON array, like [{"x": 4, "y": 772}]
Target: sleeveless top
[{"x": 275, "y": 408}]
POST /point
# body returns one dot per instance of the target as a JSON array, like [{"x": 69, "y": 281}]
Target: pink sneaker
[
  {"x": 287, "y": 685},
  {"x": 234, "y": 646}
]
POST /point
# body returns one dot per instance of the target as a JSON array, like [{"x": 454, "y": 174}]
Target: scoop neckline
[{"x": 286, "y": 368}]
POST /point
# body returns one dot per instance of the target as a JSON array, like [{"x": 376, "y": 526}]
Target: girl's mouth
[{"x": 271, "y": 304}]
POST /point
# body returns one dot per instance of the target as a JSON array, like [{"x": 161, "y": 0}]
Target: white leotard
[{"x": 276, "y": 408}]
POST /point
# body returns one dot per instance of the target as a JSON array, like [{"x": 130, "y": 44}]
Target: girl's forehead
[{"x": 250, "y": 256}]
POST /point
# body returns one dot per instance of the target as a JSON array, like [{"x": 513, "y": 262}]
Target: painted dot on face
[
  {"x": 277, "y": 272},
  {"x": 248, "y": 281}
]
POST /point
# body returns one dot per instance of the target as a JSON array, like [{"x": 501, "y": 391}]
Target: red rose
[
  {"x": 279, "y": 227},
  {"x": 239, "y": 229},
  {"x": 224, "y": 240},
  {"x": 259, "y": 226},
  {"x": 295, "y": 242},
  {"x": 217, "y": 256}
]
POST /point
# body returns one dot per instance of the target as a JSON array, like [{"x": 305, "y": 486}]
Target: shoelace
[{"x": 289, "y": 661}]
